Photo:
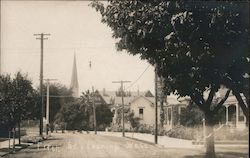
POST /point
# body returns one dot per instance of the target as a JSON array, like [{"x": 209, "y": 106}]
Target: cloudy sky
[{"x": 75, "y": 28}]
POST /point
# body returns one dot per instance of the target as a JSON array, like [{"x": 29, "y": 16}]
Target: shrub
[
  {"x": 143, "y": 128},
  {"x": 31, "y": 139},
  {"x": 227, "y": 133},
  {"x": 185, "y": 132},
  {"x": 116, "y": 128}
]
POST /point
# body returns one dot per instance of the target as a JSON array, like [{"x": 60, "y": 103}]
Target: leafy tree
[
  {"x": 103, "y": 116},
  {"x": 59, "y": 95},
  {"x": 134, "y": 121},
  {"x": 195, "y": 46},
  {"x": 192, "y": 116},
  {"x": 18, "y": 100},
  {"x": 78, "y": 115},
  {"x": 74, "y": 115},
  {"x": 6, "y": 118}
]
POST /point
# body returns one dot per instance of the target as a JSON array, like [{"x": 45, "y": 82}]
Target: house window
[{"x": 141, "y": 113}]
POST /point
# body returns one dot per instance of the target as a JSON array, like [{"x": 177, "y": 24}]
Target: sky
[{"x": 75, "y": 28}]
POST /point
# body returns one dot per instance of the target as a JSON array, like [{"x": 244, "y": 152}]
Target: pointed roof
[{"x": 74, "y": 79}]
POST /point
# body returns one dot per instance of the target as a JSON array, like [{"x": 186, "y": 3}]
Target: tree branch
[
  {"x": 243, "y": 106},
  {"x": 198, "y": 102},
  {"x": 219, "y": 105},
  {"x": 210, "y": 96}
]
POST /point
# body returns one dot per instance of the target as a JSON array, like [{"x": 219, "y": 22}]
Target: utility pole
[
  {"x": 94, "y": 112},
  {"x": 122, "y": 82},
  {"x": 47, "y": 105},
  {"x": 41, "y": 37},
  {"x": 156, "y": 106}
]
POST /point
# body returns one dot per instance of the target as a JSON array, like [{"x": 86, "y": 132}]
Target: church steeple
[{"x": 74, "y": 80}]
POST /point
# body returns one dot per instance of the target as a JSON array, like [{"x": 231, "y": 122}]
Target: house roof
[
  {"x": 150, "y": 99},
  {"x": 172, "y": 100},
  {"x": 110, "y": 97}
]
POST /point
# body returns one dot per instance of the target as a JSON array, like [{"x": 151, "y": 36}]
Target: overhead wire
[{"x": 132, "y": 84}]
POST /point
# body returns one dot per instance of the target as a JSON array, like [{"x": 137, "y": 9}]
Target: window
[{"x": 141, "y": 113}]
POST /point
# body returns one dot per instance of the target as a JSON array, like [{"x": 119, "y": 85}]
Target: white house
[{"x": 143, "y": 107}]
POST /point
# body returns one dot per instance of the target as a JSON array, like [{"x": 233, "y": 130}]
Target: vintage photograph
[{"x": 124, "y": 79}]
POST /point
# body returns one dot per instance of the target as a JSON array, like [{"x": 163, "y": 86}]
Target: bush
[
  {"x": 116, "y": 128},
  {"x": 225, "y": 133},
  {"x": 185, "y": 132},
  {"x": 143, "y": 128},
  {"x": 31, "y": 139}
]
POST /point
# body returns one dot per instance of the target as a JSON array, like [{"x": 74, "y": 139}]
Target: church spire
[{"x": 74, "y": 80}]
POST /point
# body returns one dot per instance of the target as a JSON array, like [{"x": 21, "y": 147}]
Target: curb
[
  {"x": 16, "y": 149},
  {"x": 25, "y": 145},
  {"x": 147, "y": 142}
]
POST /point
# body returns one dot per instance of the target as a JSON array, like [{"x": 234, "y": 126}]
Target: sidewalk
[
  {"x": 163, "y": 141},
  {"x": 4, "y": 145}
]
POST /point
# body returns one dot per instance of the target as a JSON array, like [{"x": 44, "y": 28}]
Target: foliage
[
  {"x": 185, "y": 132},
  {"x": 134, "y": 121},
  {"x": 73, "y": 115},
  {"x": 218, "y": 31},
  {"x": 116, "y": 128},
  {"x": 227, "y": 134},
  {"x": 103, "y": 116},
  {"x": 78, "y": 115},
  {"x": 192, "y": 116},
  {"x": 17, "y": 100},
  {"x": 59, "y": 95},
  {"x": 196, "y": 46},
  {"x": 143, "y": 128}
]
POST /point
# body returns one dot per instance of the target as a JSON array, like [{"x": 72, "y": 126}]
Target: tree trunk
[
  {"x": 210, "y": 151},
  {"x": 19, "y": 133},
  {"x": 9, "y": 137},
  {"x": 14, "y": 132}
]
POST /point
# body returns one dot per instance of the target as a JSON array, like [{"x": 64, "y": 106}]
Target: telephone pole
[
  {"x": 47, "y": 105},
  {"x": 41, "y": 37},
  {"x": 122, "y": 82}
]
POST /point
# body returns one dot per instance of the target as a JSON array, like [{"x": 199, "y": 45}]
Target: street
[
  {"x": 89, "y": 145},
  {"x": 92, "y": 146}
]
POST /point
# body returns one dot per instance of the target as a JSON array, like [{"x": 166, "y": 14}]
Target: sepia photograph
[{"x": 124, "y": 79}]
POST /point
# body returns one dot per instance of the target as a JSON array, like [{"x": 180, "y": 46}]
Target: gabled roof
[
  {"x": 127, "y": 100},
  {"x": 149, "y": 99}
]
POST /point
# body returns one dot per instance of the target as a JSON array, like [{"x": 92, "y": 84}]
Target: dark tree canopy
[
  {"x": 59, "y": 95},
  {"x": 197, "y": 45},
  {"x": 17, "y": 99}
]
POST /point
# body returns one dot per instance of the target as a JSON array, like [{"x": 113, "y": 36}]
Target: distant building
[
  {"x": 74, "y": 86},
  {"x": 114, "y": 100},
  {"x": 144, "y": 108},
  {"x": 234, "y": 116}
]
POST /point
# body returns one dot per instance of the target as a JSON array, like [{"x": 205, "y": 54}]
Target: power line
[{"x": 138, "y": 77}]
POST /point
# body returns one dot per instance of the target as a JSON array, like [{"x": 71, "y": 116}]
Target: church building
[{"x": 74, "y": 86}]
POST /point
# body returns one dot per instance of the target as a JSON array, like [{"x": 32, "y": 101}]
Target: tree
[
  {"x": 103, "y": 116},
  {"x": 78, "y": 115},
  {"x": 192, "y": 116},
  {"x": 134, "y": 121},
  {"x": 59, "y": 95},
  {"x": 73, "y": 115},
  {"x": 195, "y": 46},
  {"x": 17, "y": 100}
]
